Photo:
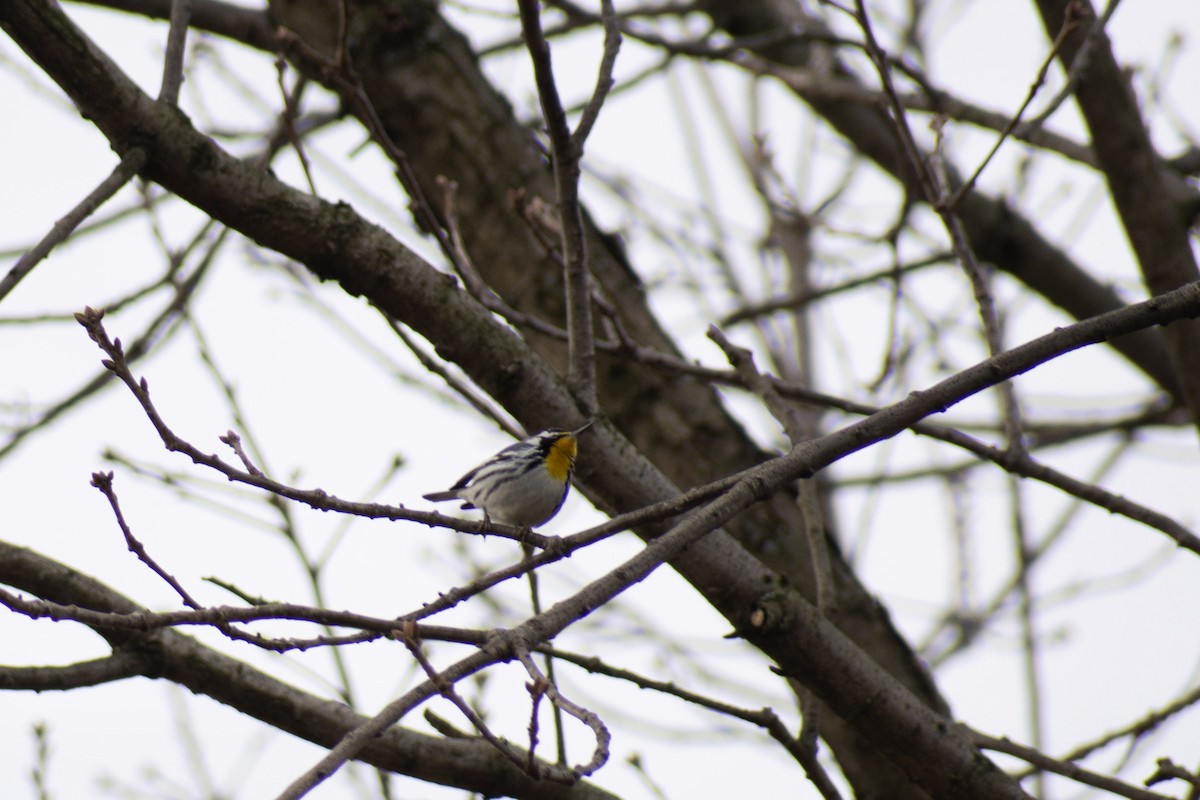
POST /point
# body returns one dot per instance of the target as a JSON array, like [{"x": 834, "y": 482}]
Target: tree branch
[
  {"x": 567, "y": 149},
  {"x": 469, "y": 764}
]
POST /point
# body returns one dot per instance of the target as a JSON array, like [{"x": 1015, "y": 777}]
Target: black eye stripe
[{"x": 548, "y": 441}]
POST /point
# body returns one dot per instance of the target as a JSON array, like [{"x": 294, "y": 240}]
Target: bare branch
[
  {"x": 604, "y": 77},
  {"x": 172, "y": 79},
  {"x": 1068, "y": 26},
  {"x": 1065, "y": 768},
  {"x": 131, "y": 162},
  {"x": 568, "y": 152},
  {"x": 542, "y": 685},
  {"x": 169, "y": 655},
  {"x": 445, "y": 687},
  {"x": 104, "y": 482},
  {"x": 118, "y": 666}
]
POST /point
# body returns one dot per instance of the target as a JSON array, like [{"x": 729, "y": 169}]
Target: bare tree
[{"x": 865, "y": 246}]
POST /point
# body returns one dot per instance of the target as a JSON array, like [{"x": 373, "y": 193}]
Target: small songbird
[{"x": 523, "y": 485}]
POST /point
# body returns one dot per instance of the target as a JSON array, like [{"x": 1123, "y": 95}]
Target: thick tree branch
[
  {"x": 118, "y": 666},
  {"x": 470, "y": 764},
  {"x": 1144, "y": 191}
]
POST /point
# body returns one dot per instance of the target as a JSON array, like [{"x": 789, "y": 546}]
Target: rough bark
[{"x": 1144, "y": 191}]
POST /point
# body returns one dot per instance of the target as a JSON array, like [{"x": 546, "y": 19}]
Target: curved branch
[{"x": 470, "y": 764}]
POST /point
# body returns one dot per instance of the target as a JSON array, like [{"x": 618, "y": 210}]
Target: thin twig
[
  {"x": 1138, "y": 728},
  {"x": 933, "y": 180},
  {"x": 316, "y": 498},
  {"x": 287, "y": 120},
  {"x": 407, "y": 634},
  {"x": 1030, "y": 649},
  {"x": 172, "y": 79},
  {"x": 1070, "y": 22},
  {"x": 543, "y": 685},
  {"x": 765, "y": 718},
  {"x": 1075, "y": 71},
  {"x": 1064, "y": 768},
  {"x": 804, "y": 299},
  {"x": 567, "y": 149},
  {"x": 104, "y": 482},
  {"x": 131, "y": 162},
  {"x": 158, "y": 331},
  {"x": 604, "y": 76},
  {"x": 1168, "y": 770}
]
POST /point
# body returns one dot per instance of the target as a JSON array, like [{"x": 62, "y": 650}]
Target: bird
[{"x": 523, "y": 485}]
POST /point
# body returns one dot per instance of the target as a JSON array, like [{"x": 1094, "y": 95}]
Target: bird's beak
[{"x": 578, "y": 431}]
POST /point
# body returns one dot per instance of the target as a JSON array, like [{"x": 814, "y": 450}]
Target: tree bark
[{"x": 1144, "y": 191}]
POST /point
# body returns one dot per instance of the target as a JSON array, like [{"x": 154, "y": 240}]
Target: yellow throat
[{"x": 561, "y": 457}]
